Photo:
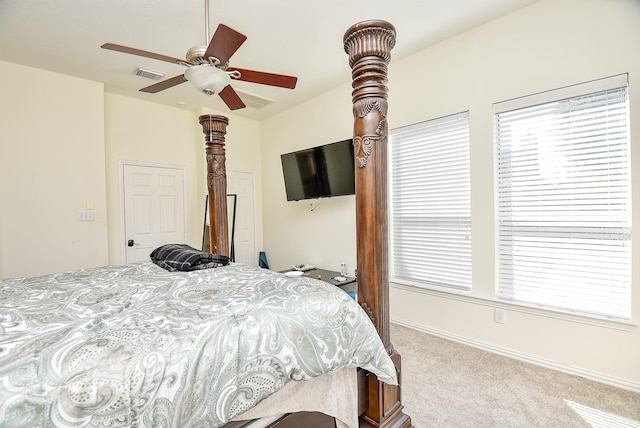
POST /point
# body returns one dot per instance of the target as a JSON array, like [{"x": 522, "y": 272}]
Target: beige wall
[
  {"x": 51, "y": 163},
  {"x": 62, "y": 143},
  {"x": 293, "y": 233},
  {"x": 141, "y": 131},
  {"x": 550, "y": 44}
]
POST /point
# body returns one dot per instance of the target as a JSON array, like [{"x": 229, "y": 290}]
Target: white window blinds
[
  {"x": 564, "y": 201},
  {"x": 430, "y": 203}
]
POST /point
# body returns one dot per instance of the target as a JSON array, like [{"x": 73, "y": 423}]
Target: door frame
[{"x": 121, "y": 166}]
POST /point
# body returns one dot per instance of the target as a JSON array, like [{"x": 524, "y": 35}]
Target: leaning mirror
[{"x": 231, "y": 216}]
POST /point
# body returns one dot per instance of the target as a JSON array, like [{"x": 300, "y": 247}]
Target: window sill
[{"x": 467, "y": 297}]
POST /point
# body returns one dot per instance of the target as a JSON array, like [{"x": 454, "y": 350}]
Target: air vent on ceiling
[
  {"x": 253, "y": 100},
  {"x": 149, "y": 74}
]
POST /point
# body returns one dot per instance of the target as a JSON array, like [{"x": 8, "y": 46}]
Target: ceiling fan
[{"x": 208, "y": 66}]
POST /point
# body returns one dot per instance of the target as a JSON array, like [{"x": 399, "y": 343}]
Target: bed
[{"x": 140, "y": 345}]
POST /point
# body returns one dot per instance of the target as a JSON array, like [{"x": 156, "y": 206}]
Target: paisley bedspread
[{"x": 138, "y": 346}]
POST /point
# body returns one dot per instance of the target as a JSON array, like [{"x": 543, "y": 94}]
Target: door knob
[{"x": 130, "y": 243}]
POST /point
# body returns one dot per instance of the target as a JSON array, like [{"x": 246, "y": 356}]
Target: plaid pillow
[{"x": 173, "y": 257}]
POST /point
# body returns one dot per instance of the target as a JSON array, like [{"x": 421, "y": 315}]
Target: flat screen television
[{"x": 320, "y": 172}]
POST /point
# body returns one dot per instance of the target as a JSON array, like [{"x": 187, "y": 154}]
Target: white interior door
[
  {"x": 153, "y": 209},
  {"x": 241, "y": 184}
]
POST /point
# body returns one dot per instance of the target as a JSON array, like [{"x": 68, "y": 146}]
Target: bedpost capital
[
  {"x": 214, "y": 127},
  {"x": 369, "y": 38}
]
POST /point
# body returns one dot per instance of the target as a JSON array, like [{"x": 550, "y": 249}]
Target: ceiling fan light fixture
[{"x": 208, "y": 79}]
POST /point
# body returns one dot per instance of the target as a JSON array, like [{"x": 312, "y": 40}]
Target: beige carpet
[{"x": 449, "y": 385}]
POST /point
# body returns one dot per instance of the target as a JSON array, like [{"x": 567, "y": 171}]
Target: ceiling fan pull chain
[{"x": 206, "y": 22}]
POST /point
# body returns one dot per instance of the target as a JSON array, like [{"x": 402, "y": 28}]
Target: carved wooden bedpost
[
  {"x": 369, "y": 45},
  {"x": 215, "y": 128}
]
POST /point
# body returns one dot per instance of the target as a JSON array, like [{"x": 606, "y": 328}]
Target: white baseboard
[{"x": 587, "y": 374}]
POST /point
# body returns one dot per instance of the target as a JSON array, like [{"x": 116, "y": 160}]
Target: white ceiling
[{"x": 295, "y": 37}]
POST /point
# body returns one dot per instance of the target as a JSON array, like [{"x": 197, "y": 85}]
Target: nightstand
[{"x": 350, "y": 285}]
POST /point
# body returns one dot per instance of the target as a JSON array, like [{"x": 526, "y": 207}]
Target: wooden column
[
  {"x": 214, "y": 128},
  {"x": 369, "y": 45}
]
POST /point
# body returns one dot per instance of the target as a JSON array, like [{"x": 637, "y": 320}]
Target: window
[
  {"x": 564, "y": 199},
  {"x": 431, "y": 203}
]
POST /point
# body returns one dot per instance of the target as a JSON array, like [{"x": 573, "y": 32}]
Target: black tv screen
[{"x": 320, "y": 172}]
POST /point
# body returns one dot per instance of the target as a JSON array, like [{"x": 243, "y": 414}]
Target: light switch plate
[{"x": 86, "y": 215}]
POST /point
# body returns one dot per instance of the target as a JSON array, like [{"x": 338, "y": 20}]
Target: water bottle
[{"x": 343, "y": 268}]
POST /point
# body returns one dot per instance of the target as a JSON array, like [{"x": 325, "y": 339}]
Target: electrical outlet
[{"x": 498, "y": 315}]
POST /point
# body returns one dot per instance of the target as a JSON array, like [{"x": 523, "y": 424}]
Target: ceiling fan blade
[
  {"x": 165, "y": 84},
  {"x": 263, "y": 78},
  {"x": 231, "y": 98},
  {"x": 224, "y": 43},
  {"x": 140, "y": 52}
]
